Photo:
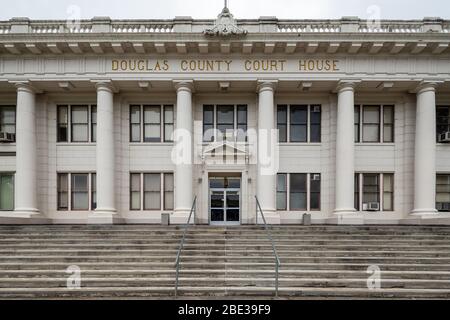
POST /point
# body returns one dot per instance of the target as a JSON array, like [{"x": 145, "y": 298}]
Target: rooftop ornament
[{"x": 225, "y": 25}]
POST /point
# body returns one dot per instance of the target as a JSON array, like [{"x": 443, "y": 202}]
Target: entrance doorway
[{"x": 225, "y": 200}]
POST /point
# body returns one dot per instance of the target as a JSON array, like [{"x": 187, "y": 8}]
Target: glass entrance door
[{"x": 225, "y": 206}]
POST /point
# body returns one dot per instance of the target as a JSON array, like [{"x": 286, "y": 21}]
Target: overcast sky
[{"x": 154, "y": 9}]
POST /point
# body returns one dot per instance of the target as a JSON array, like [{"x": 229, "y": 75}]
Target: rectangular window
[
  {"x": 63, "y": 121},
  {"x": 152, "y": 124},
  {"x": 374, "y": 123},
  {"x": 6, "y": 192},
  {"x": 298, "y": 191},
  {"x": 299, "y": 123},
  {"x": 63, "y": 191},
  {"x": 282, "y": 191},
  {"x": 8, "y": 120},
  {"x": 93, "y": 191},
  {"x": 93, "y": 123},
  {"x": 282, "y": 123},
  {"x": 388, "y": 123},
  {"x": 135, "y": 191},
  {"x": 80, "y": 191},
  {"x": 442, "y": 120},
  {"x": 80, "y": 124},
  {"x": 371, "y": 124},
  {"x": 168, "y": 191},
  {"x": 443, "y": 192},
  {"x": 377, "y": 191},
  {"x": 208, "y": 123},
  {"x": 357, "y": 122},
  {"x": 388, "y": 192},
  {"x": 314, "y": 192},
  {"x": 152, "y": 191},
  {"x": 168, "y": 123},
  {"x": 225, "y": 121},
  {"x": 315, "y": 123},
  {"x": 242, "y": 123},
  {"x": 135, "y": 123}
]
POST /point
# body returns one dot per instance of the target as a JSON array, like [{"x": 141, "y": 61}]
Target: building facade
[{"x": 121, "y": 121}]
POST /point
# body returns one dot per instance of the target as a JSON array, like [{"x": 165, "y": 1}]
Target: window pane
[
  {"x": 225, "y": 115},
  {"x": 93, "y": 191},
  {"x": 152, "y": 201},
  {"x": 315, "y": 133},
  {"x": 135, "y": 201},
  {"x": 208, "y": 115},
  {"x": 168, "y": 114},
  {"x": 242, "y": 114},
  {"x": 80, "y": 201},
  {"x": 282, "y": 133},
  {"x": 135, "y": 133},
  {"x": 281, "y": 191},
  {"x": 371, "y": 188},
  {"x": 282, "y": 114},
  {"x": 80, "y": 114},
  {"x": 152, "y": 133},
  {"x": 356, "y": 122},
  {"x": 298, "y": 133},
  {"x": 152, "y": 114},
  {"x": 281, "y": 182},
  {"x": 388, "y": 114},
  {"x": 63, "y": 188},
  {"x": 80, "y": 197},
  {"x": 80, "y": 182},
  {"x": 79, "y": 133},
  {"x": 299, "y": 114},
  {"x": 371, "y": 114},
  {"x": 371, "y": 133},
  {"x": 168, "y": 132},
  {"x": 135, "y": 114},
  {"x": 62, "y": 124},
  {"x": 6, "y": 192},
  {"x": 298, "y": 201},
  {"x": 298, "y": 182},
  {"x": 152, "y": 182},
  {"x": 168, "y": 191},
  {"x": 387, "y": 133},
  {"x": 79, "y": 120},
  {"x": 93, "y": 123}
]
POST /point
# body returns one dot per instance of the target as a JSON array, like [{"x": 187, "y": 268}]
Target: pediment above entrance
[{"x": 225, "y": 151}]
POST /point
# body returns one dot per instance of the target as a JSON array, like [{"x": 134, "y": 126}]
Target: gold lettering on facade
[
  {"x": 139, "y": 65},
  {"x": 311, "y": 65},
  {"x": 205, "y": 65},
  {"x": 264, "y": 65}
]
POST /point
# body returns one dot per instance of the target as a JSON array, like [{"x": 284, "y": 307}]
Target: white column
[
  {"x": 425, "y": 151},
  {"x": 106, "y": 206},
  {"x": 267, "y": 161},
  {"x": 345, "y": 150},
  {"x": 182, "y": 153},
  {"x": 26, "y": 153}
]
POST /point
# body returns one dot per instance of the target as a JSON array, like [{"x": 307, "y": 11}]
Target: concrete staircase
[{"x": 126, "y": 261}]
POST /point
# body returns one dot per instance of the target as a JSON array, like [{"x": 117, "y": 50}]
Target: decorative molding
[{"x": 225, "y": 25}]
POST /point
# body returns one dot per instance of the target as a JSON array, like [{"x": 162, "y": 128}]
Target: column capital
[
  {"x": 347, "y": 85},
  {"x": 24, "y": 86},
  {"x": 263, "y": 85},
  {"x": 184, "y": 85},
  {"x": 105, "y": 85},
  {"x": 427, "y": 85}
]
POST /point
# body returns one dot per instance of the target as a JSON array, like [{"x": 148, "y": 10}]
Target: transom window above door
[
  {"x": 151, "y": 123},
  {"x": 225, "y": 122},
  {"x": 299, "y": 123}
]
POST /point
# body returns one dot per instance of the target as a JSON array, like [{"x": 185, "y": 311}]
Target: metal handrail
[
  {"x": 269, "y": 234},
  {"x": 180, "y": 248}
]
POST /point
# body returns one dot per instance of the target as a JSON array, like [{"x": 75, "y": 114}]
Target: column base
[
  {"x": 105, "y": 216},
  {"x": 26, "y": 212},
  {"x": 180, "y": 216}
]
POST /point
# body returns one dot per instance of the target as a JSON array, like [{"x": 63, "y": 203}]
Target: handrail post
[
  {"x": 180, "y": 248},
  {"x": 277, "y": 259}
]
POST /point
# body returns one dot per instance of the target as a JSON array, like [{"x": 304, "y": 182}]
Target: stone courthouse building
[{"x": 122, "y": 121}]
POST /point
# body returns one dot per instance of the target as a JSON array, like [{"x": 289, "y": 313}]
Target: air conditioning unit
[
  {"x": 7, "y": 137},
  {"x": 316, "y": 177},
  {"x": 371, "y": 206},
  {"x": 444, "y": 137},
  {"x": 316, "y": 109},
  {"x": 443, "y": 206}
]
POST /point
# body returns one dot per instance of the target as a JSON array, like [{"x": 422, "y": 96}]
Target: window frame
[
  {"x": 442, "y": 124},
  {"x": 447, "y": 193},
  {"x": 309, "y": 123},
  {"x": 90, "y": 192},
  {"x": 236, "y": 123},
  {"x": 359, "y": 138},
  {"x": 2, "y": 124},
  {"x": 13, "y": 176},
  {"x": 163, "y": 123},
  {"x": 91, "y": 139},
  {"x": 359, "y": 183},
  {"x": 308, "y": 179},
  {"x": 162, "y": 191}
]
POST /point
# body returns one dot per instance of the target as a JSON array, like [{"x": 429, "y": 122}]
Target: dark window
[
  {"x": 168, "y": 123},
  {"x": 443, "y": 192},
  {"x": 298, "y": 192},
  {"x": 93, "y": 123},
  {"x": 152, "y": 191},
  {"x": 80, "y": 124},
  {"x": 93, "y": 191},
  {"x": 80, "y": 191},
  {"x": 442, "y": 120},
  {"x": 135, "y": 123},
  {"x": 135, "y": 191},
  {"x": 314, "y": 191},
  {"x": 356, "y": 198},
  {"x": 357, "y": 124},
  {"x": 282, "y": 123},
  {"x": 388, "y": 192},
  {"x": 299, "y": 121},
  {"x": 315, "y": 123},
  {"x": 225, "y": 121},
  {"x": 63, "y": 120},
  {"x": 63, "y": 191},
  {"x": 241, "y": 123},
  {"x": 388, "y": 123},
  {"x": 208, "y": 123},
  {"x": 282, "y": 191},
  {"x": 371, "y": 124},
  {"x": 371, "y": 187},
  {"x": 152, "y": 124},
  {"x": 168, "y": 191},
  {"x": 8, "y": 120},
  {"x": 6, "y": 192}
]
